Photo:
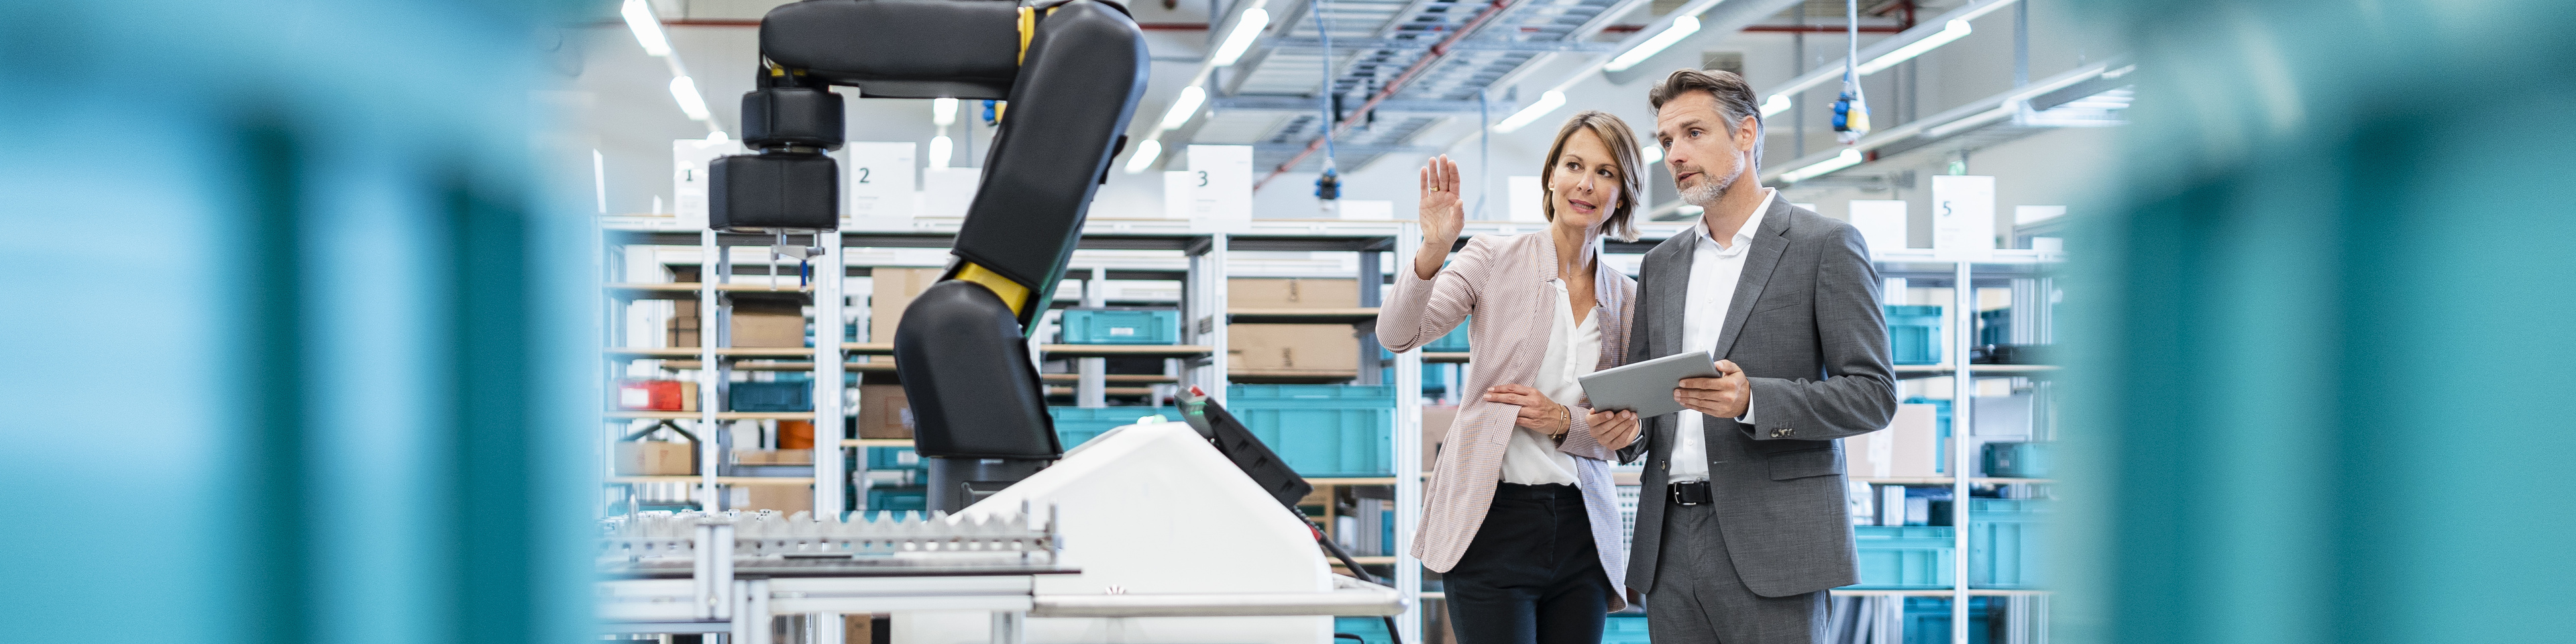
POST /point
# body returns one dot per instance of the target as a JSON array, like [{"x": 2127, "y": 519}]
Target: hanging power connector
[
  {"x": 1329, "y": 186},
  {"x": 1851, "y": 109}
]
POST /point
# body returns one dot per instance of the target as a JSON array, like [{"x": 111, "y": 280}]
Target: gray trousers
[{"x": 1698, "y": 598}]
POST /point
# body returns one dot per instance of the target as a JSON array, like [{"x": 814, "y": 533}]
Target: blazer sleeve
[
  {"x": 1640, "y": 328},
  {"x": 1858, "y": 392},
  {"x": 1418, "y": 311}
]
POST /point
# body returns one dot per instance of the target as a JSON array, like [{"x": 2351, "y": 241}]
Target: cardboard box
[
  {"x": 658, "y": 395},
  {"x": 1435, "y": 428},
  {"x": 767, "y": 321},
  {"x": 655, "y": 458},
  {"x": 1907, "y": 448},
  {"x": 1293, "y": 293},
  {"x": 773, "y": 456},
  {"x": 1314, "y": 348},
  {"x": 894, "y": 289},
  {"x": 786, "y": 499},
  {"x": 883, "y": 412}
]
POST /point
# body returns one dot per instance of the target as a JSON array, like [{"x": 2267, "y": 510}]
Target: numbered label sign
[
  {"x": 689, "y": 158},
  {"x": 1963, "y": 217},
  {"x": 880, "y": 179}
]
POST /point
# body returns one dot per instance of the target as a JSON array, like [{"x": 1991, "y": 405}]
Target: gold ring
[{"x": 1435, "y": 188}]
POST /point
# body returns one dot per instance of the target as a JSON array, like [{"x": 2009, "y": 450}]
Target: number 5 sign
[{"x": 1963, "y": 217}]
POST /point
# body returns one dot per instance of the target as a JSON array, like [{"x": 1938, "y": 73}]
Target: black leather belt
[{"x": 1688, "y": 493}]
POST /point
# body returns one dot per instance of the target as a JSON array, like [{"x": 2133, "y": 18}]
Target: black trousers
[{"x": 1532, "y": 575}]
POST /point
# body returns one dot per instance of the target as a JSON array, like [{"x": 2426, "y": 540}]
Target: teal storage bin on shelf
[
  {"x": 1077, "y": 425},
  {"x": 1903, "y": 557},
  {"x": 907, "y": 497},
  {"x": 1121, "y": 326},
  {"x": 1927, "y": 620},
  {"x": 1322, "y": 431},
  {"x": 1624, "y": 628},
  {"x": 894, "y": 458},
  {"x": 782, "y": 396},
  {"x": 1371, "y": 630},
  {"x": 2003, "y": 548},
  {"x": 1454, "y": 342},
  {"x": 1914, "y": 333},
  {"x": 2016, "y": 460}
]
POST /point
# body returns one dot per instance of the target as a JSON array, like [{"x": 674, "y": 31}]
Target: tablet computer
[{"x": 1646, "y": 387}]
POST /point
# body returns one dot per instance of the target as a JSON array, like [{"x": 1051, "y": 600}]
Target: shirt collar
[{"x": 1742, "y": 235}]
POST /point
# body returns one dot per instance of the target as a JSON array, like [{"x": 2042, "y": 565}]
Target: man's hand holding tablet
[{"x": 1651, "y": 388}]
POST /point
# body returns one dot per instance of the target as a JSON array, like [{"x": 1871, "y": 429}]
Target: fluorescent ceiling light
[
  {"x": 686, "y": 92},
  {"x": 1849, "y": 158},
  {"x": 1144, "y": 156},
  {"x": 1950, "y": 32},
  {"x": 943, "y": 111},
  {"x": 647, "y": 28},
  {"x": 941, "y": 149},
  {"x": 1184, "y": 107},
  {"x": 1776, "y": 104},
  {"x": 1651, "y": 153},
  {"x": 1547, "y": 102},
  {"x": 1683, "y": 27},
  {"x": 1245, "y": 30}
]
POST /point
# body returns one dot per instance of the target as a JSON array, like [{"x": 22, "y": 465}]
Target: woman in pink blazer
[{"x": 1519, "y": 515}]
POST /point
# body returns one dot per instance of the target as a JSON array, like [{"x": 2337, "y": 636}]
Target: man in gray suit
[{"x": 1741, "y": 525}]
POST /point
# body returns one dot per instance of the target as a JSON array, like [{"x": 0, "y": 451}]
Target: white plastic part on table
[{"x": 1160, "y": 523}]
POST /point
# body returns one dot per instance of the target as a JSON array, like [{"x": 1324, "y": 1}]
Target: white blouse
[{"x": 1573, "y": 350}]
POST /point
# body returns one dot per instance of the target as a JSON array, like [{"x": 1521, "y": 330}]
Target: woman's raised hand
[{"x": 1441, "y": 215}]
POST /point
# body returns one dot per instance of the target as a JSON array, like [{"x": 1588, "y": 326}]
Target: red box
[{"x": 657, "y": 395}]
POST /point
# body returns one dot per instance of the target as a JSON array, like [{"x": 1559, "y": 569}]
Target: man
[{"x": 1741, "y": 526}]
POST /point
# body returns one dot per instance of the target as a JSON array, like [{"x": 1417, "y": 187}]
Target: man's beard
[{"x": 1708, "y": 191}]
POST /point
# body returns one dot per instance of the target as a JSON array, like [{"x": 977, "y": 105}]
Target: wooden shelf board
[
  {"x": 1125, "y": 350},
  {"x": 722, "y": 415},
  {"x": 876, "y": 442},
  {"x": 868, "y": 348},
  {"x": 1944, "y": 480},
  {"x": 1113, "y": 391},
  {"x": 1909, "y": 371},
  {"x": 1288, "y": 376},
  {"x": 1350, "y": 315},
  {"x": 1931, "y": 592},
  {"x": 721, "y": 480},
  {"x": 671, "y": 353},
  {"x": 688, "y": 290},
  {"x": 1112, "y": 378}
]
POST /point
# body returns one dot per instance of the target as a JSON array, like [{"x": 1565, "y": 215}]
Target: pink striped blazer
[{"x": 1507, "y": 283}]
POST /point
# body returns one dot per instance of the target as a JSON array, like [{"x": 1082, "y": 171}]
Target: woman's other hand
[
  {"x": 1614, "y": 430},
  {"x": 1537, "y": 412},
  {"x": 1441, "y": 215}
]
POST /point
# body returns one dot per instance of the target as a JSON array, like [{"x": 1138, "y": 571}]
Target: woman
[{"x": 1519, "y": 515}]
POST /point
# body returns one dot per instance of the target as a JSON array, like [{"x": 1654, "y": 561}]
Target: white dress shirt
[
  {"x": 1714, "y": 273},
  {"x": 1573, "y": 350}
]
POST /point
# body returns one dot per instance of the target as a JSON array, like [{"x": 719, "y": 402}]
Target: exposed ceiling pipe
[{"x": 1438, "y": 53}]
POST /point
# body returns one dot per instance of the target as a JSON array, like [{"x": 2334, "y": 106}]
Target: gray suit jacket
[{"x": 1806, "y": 327}]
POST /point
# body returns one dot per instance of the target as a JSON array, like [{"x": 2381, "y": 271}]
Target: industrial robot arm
[{"x": 1071, "y": 72}]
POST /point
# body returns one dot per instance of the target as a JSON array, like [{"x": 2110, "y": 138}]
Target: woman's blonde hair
[{"x": 1622, "y": 223}]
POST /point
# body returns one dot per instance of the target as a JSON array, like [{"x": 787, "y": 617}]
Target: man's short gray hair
[{"x": 1735, "y": 99}]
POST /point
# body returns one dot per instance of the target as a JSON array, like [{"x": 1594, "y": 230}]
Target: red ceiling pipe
[{"x": 1438, "y": 51}]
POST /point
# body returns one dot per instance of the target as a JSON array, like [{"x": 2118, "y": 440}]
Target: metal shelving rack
[{"x": 1959, "y": 325}]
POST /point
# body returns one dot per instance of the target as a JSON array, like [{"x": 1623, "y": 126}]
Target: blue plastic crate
[
  {"x": 1371, "y": 630},
  {"x": 1322, "y": 430},
  {"x": 1914, "y": 333},
  {"x": 1078, "y": 425},
  {"x": 1435, "y": 377},
  {"x": 796, "y": 395},
  {"x": 2016, "y": 460},
  {"x": 2002, "y": 542},
  {"x": 1994, "y": 327},
  {"x": 1454, "y": 342},
  {"x": 907, "y": 497},
  {"x": 1899, "y": 557},
  {"x": 1927, "y": 620},
  {"x": 894, "y": 458},
  {"x": 1121, "y": 326},
  {"x": 1624, "y": 628}
]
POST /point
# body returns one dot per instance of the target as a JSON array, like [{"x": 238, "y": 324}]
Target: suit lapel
[
  {"x": 1671, "y": 297},
  {"x": 1768, "y": 244}
]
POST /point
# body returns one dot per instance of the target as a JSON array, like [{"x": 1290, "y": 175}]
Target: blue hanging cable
[{"x": 1328, "y": 186}]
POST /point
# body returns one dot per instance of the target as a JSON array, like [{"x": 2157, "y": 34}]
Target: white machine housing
[{"x": 1153, "y": 509}]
